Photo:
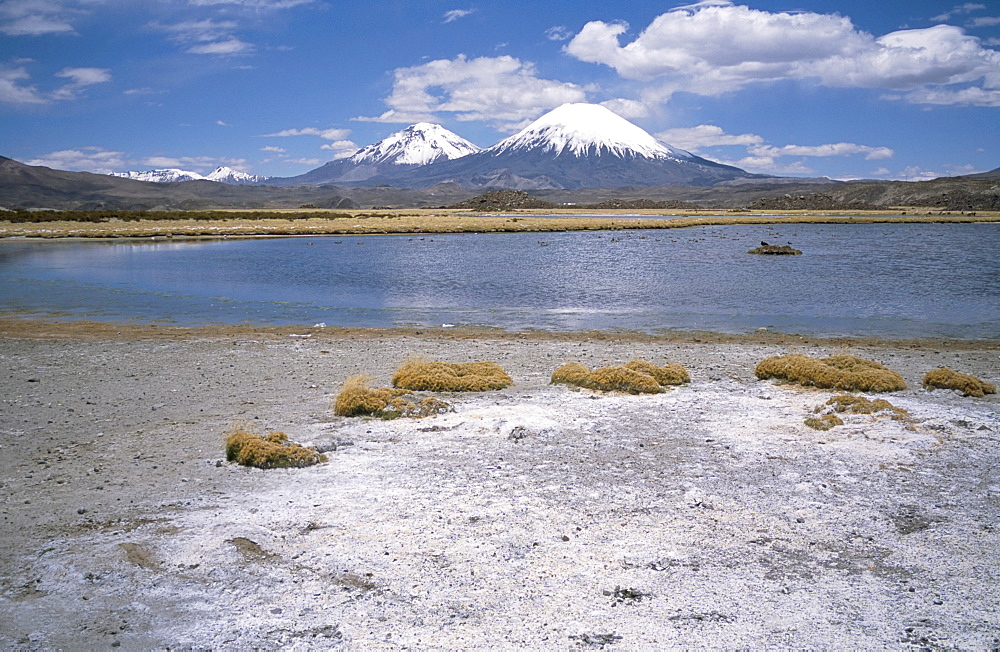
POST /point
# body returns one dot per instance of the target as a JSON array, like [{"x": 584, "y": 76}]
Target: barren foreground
[{"x": 535, "y": 517}]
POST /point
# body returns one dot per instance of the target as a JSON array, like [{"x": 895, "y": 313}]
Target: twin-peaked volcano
[{"x": 573, "y": 146}]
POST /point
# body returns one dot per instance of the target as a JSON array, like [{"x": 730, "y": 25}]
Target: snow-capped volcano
[
  {"x": 573, "y": 146},
  {"x": 221, "y": 174},
  {"x": 418, "y": 144},
  {"x": 587, "y": 130}
]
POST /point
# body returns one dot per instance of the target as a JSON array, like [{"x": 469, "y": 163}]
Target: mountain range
[
  {"x": 572, "y": 146},
  {"x": 574, "y": 155},
  {"x": 221, "y": 174},
  {"x": 35, "y": 187}
]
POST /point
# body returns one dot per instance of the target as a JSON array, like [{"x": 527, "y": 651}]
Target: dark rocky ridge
[{"x": 503, "y": 200}]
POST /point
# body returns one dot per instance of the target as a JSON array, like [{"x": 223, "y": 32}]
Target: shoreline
[
  {"x": 35, "y": 328},
  {"x": 431, "y": 222}
]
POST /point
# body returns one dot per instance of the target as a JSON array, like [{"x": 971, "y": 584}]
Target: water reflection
[{"x": 880, "y": 279}]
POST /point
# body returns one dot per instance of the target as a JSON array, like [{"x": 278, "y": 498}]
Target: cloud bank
[
  {"x": 762, "y": 157},
  {"x": 502, "y": 90},
  {"x": 715, "y": 48},
  {"x": 339, "y": 144}
]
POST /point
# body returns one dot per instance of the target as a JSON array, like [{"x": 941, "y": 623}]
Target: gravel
[{"x": 534, "y": 517}]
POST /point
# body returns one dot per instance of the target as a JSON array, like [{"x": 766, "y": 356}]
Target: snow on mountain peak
[
  {"x": 418, "y": 144},
  {"x": 225, "y": 174},
  {"x": 221, "y": 174},
  {"x": 166, "y": 175},
  {"x": 581, "y": 129}
]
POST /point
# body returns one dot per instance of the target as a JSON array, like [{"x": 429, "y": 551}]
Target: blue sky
[{"x": 887, "y": 89}]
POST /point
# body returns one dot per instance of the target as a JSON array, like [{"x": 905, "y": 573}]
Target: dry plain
[{"x": 536, "y": 517}]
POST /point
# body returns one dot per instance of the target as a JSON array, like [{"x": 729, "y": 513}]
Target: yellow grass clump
[
  {"x": 824, "y": 422},
  {"x": 636, "y": 377},
  {"x": 357, "y": 398},
  {"x": 862, "y": 405},
  {"x": 571, "y": 373},
  {"x": 669, "y": 374},
  {"x": 945, "y": 378},
  {"x": 845, "y": 372},
  {"x": 271, "y": 451},
  {"x": 421, "y": 374}
]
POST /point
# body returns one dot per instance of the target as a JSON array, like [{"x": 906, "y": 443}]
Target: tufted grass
[
  {"x": 945, "y": 378},
  {"x": 635, "y": 377},
  {"x": 669, "y": 374},
  {"x": 844, "y": 372},
  {"x": 824, "y": 422},
  {"x": 358, "y": 398},
  {"x": 862, "y": 405},
  {"x": 421, "y": 374},
  {"x": 271, "y": 451}
]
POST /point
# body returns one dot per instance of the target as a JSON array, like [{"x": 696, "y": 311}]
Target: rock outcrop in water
[{"x": 775, "y": 250}]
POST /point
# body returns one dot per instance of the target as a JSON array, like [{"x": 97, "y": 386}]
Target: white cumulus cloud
[
  {"x": 36, "y": 17},
  {"x": 80, "y": 78},
  {"x": 762, "y": 157},
  {"x": 14, "y": 91},
  {"x": 718, "y": 47},
  {"x": 341, "y": 148},
  {"x": 339, "y": 143},
  {"x": 326, "y": 134},
  {"x": 696, "y": 138},
  {"x": 87, "y": 159},
  {"x": 503, "y": 90},
  {"x": 85, "y": 76},
  {"x": 832, "y": 149},
  {"x": 626, "y": 108}
]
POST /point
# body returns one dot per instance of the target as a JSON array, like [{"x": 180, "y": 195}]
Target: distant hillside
[
  {"x": 27, "y": 186},
  {"x": 35, "y": 187},
  {"x": 992, "y": 174},
  {"x": 947, "y": 193}
]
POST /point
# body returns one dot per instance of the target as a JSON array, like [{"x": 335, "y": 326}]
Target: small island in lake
[{"x": 775, "y": 250}]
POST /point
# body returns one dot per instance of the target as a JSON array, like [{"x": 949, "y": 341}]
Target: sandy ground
[{"x": 537, "y": 517}]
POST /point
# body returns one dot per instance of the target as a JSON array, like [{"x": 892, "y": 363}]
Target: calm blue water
[{"x": 890, "y": 280}]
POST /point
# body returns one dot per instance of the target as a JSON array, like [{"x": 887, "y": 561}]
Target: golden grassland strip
[
  {"x": 20, "y": 327},
  {"x": 428, "y": 222}
]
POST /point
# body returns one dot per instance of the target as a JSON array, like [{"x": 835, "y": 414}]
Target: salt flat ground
[{"x": 536, "y": 517}]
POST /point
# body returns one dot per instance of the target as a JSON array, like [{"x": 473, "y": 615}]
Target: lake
[{"x": 888, "y": 280}]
